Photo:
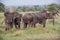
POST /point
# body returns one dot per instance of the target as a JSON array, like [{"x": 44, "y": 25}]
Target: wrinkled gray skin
[
  {"x": 12, "y": 18},
  {"x": 34, "y": 18},
  {"x": 41, "y": 18},
  {"x": 27, "y": 19},
  {"x": 17, "y": 19},
  {"x": 8, "y": 20}
]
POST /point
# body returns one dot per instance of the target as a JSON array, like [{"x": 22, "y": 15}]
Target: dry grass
[{"x": 50, "y": 32}]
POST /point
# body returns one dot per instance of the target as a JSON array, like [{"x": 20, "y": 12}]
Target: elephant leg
[
  {"x": 11, "y": 25},
  {"x": 29, "y": 25},
  {"x": 19, "y": 25},
  {"x": 44, "y": 23},
  {"x": 25, "y": 25},
  {"x": 7, "y": 27},
  {"x": 53, "y": 21},
  {"x": 34, "y": 25},
  {"x": 16, "y": 26}
]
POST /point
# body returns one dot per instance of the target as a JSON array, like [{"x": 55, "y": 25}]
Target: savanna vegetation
[{"x": 50, "y": 32}]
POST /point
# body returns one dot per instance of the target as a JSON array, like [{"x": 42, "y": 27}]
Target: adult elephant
[
  {"x": 8, "y": 20},
  {"x": 27, "y": 19},
  {"x": 12, "y": 18},
  {"x": 41, "y": 17},
  {"x": 17, "y": 19},
  {"x": 34, "y": 18},
  {"x": 54, "y": 13}
]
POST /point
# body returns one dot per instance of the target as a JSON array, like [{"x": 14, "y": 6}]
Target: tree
[
  {"x": 36, "y": 8},
  {"x": 2, "y": 7},
  {"x": 59, "y": 6},
  {"x": 52, "y": 7},
  {"x": 18, "y": 9},
  {"x": 24, "y": 8}
]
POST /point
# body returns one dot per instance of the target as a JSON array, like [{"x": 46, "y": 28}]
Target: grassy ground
[{"x": 50, "y": 32}]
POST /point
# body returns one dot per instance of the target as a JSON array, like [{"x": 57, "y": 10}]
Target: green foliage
[
  {"x": 36, "y": 8},
  {"x": 59, "y": 6},
  {"x": 23, "y": 8},
  {"x": 50, "y": 32},
  {"x": 52, "y": 7},
  {"x": 2, "y": 7},
  {"x": 1, "y": 38},
  {"x": 28, "y": 8}
]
